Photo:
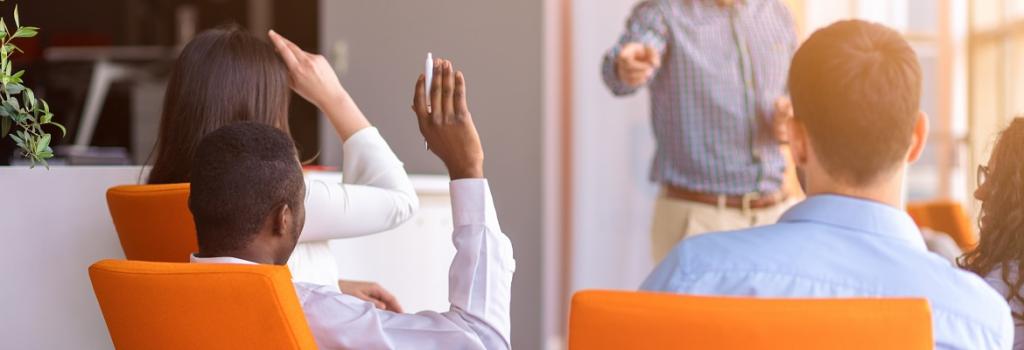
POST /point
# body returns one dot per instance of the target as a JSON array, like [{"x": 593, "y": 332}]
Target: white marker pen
[{"x": 428, "y": 71}]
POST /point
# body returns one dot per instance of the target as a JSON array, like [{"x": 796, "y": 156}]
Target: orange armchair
[
  {"x": 639, "y": 320},
  {"x": 948, "y": 217},
  {"x": 153, "y": 222},
  {"x": 150, "y": 305}
]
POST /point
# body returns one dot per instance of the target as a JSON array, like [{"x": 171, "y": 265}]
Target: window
[{"x": 997, "y": 72}]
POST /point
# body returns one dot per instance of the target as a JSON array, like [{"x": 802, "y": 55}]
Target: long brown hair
[
  {"x": 1002, "y": 215},
  {"x": 224, "y": 75}
]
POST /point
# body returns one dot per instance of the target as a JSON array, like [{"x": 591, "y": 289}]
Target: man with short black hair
[
  {"x": 246, "y": 178},
  {"x": 856, "y": 88},
  {"x": 247, "y": 200}
]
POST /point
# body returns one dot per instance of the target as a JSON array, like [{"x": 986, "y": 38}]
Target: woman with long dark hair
[
  {"x": 1000, "y": 251},
  {"x": 228, "y": 75}
]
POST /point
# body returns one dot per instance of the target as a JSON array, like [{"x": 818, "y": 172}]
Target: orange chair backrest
[
  {"x": 151, "y": 305},
  {"x": 948, "y": 217},
  {"x": 153, "y": 222},
  {"x": 640, "y": 320}
]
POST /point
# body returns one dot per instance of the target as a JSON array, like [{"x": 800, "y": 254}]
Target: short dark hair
[
  {"x": 241, "y": 173},
  {"x": 856, "y": 87}
]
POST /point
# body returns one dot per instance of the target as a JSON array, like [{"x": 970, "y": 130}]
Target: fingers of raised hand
[
  {"x": 461, "y": 104},
  {"x": 419, "y": 100},
  {"x": 435, "y": 91},
  {"x": 448, "y": 91}
]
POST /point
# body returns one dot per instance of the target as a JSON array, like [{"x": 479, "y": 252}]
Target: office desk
[{"x": 54, "y": 223}]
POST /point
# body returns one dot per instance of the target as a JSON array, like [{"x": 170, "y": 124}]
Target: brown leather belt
[{"x": 754, "y": 200}]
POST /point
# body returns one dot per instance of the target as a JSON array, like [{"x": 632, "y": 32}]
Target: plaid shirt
[{"x": 713, "y": 98}]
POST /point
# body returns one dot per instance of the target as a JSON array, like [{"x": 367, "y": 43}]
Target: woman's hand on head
[{"x": 313, "y": 78}]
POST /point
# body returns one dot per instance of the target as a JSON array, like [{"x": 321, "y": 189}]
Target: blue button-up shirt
[
  {"x": 835, "y": 246},
  {"x": 713, "y": 98}
]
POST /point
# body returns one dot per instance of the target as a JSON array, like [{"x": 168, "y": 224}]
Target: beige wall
[{"x": 498, "y": 46}]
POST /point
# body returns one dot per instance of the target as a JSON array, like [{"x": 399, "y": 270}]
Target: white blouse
[{"x": 373, "y": 195}]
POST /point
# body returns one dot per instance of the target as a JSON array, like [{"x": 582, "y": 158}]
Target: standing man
[{"x": 717, "y": 74}]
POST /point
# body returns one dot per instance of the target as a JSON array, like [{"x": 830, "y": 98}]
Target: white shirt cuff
[{"x": 472, "y": 203}]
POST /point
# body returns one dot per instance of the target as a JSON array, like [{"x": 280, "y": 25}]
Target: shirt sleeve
[
  {"x": 480, "y": 278},
  {"x": 480, "y": 285},
  {"x": 373, "y": 195},
  {"x": 646, "y": 25},
  {"x": 790, "y": 44},
  {"x": 665, "y": 277}
]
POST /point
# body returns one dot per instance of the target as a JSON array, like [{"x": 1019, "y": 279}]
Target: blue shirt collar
[{"x": 858, "y": 215}]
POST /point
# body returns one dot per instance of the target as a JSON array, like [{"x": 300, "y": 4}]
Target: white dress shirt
[
  {"x": 479, "y": 289},
  {"x": 373, "y": 195}
]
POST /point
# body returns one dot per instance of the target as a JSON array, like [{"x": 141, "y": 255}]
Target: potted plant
[{"x": 22, "y": 115}]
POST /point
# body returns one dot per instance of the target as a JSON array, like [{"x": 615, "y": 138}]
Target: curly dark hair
[{"x": 1001, "y": 222}]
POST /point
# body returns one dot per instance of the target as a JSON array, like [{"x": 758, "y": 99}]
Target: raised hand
[
  {"x": 313, "y": 78},
  {"x": 448, "y": 126},
  {"x": 636, "y": 63}
]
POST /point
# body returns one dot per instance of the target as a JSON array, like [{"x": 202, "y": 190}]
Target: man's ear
[
  {"x": 919, "y": 137},
  {"x": 284, "y": 218},
  {"x": 798, "y": 142}
]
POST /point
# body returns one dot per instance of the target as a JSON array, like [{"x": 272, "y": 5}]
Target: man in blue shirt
[{"x": 855, "y": 88}]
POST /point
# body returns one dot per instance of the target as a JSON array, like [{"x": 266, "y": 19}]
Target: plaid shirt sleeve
[
  {"x": 787, "y": 19},
  {"x": 646, "y": 26}
]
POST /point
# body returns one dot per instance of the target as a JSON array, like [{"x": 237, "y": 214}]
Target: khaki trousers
[{"x": 676, "y": 219}]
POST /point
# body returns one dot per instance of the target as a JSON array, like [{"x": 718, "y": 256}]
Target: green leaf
[
  {"x": 13, "y": 102},
  {"x": 30, "y": 99},
  {"x": 15, "y": 88},
  {"x": 18, "y": 141},
  {"x": 63, "y": 131},
  {"x": 3, "y": 26},
  {"x": 47, "y": 117},
  {"x": 17, "y": 21},
  {"x": 5, "y": 126},
  {"x": 43, "y": 142},
  {"x": 18, "y": 75},
  {"x": 25, "y": 32}
]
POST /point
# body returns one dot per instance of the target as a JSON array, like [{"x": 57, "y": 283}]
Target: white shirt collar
[{"x": 219, "y": 260}]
